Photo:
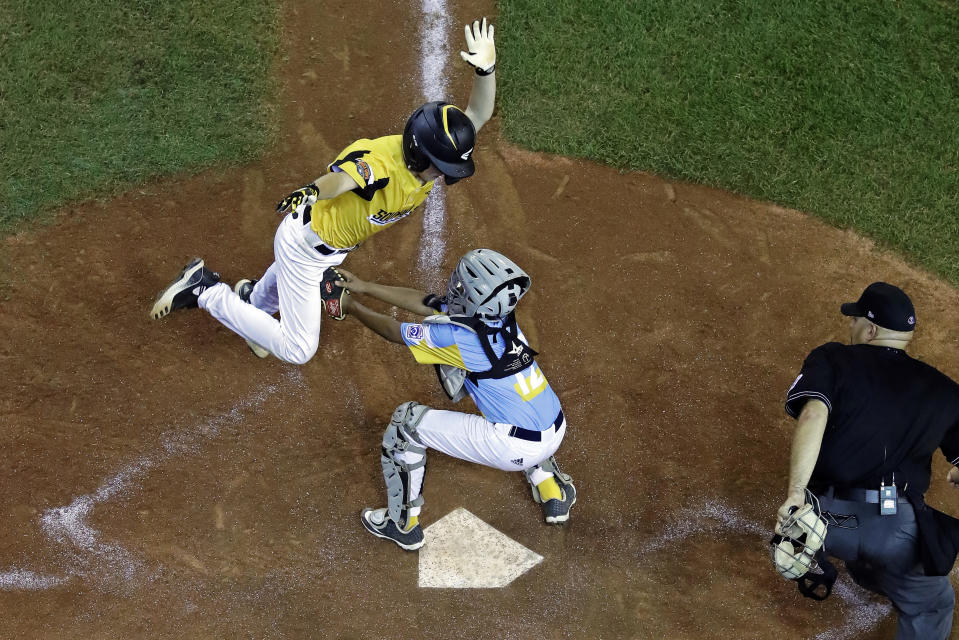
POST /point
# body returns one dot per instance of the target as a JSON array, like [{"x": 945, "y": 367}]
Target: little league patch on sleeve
[
  {"x": 365, "y": 171},
  {"x": 414, "y": 333}
]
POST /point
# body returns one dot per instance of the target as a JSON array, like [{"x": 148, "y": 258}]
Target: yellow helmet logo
[{"x": 446, "y": 122}]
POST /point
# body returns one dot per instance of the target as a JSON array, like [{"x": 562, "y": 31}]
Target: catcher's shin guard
[{"x": 400, "y": 438}]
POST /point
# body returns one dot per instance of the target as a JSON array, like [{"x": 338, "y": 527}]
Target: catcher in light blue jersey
[
  {"x": 471, "y": 336},
  {"x": 514, "y": 390}
]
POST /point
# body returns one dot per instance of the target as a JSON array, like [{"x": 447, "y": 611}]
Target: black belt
[
  {"x": 330, "y": 251},
  {"x": 535, "y": 436},
  {"x": 323, "y": 249},
  {"x": 861, "y": 495}
]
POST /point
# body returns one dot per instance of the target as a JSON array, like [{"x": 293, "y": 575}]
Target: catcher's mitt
[{"x": 333, "y": 294}]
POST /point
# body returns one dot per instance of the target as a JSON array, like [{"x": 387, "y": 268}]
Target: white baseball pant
[
  {"x": 291, "y": 285},
  {"x": 474, "y": 438}
]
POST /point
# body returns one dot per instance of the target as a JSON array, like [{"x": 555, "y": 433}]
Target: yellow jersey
[{"x": 389, "y": 193}]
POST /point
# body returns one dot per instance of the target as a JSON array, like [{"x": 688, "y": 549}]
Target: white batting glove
[{"x": 481, "y": 50}]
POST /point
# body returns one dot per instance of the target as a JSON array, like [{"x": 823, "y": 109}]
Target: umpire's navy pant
[{"x": 882, "y": 555}]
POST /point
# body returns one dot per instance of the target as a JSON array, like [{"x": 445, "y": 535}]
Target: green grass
[
  {"x": 97, "y": 95},
  {"x": 848, "y": 110}
]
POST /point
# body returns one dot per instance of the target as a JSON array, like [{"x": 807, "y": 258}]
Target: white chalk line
[
  {"x": 92, "y": 558},
  {"x": 14, "y": 579},
  {"x": 866, "y": 614},
  {"x": 434, "y": 53},
  {"x": 715, "y": 516}
]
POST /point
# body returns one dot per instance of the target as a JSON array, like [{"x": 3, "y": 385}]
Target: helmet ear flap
[{"x": 416, "y": 160}]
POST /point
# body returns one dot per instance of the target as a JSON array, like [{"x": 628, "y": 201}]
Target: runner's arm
[
  {"x": 334, "y": 184},
  {"x": 482, "y": 99},
  {"x": 481, "y": 55}
]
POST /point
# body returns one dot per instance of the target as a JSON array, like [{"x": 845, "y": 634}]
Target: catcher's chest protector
[{"x": 517, "y": 356}]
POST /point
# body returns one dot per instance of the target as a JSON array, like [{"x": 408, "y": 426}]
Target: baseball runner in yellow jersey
[{"x": 371, "y": 185}]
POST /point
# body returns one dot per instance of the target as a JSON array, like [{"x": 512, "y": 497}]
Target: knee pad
[{"x": 400, "y": 437}]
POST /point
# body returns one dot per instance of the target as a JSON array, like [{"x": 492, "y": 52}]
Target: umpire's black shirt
[{"x": 888, "y": 413}]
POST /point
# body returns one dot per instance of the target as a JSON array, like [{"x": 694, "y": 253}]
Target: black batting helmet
[{"x": 440, "y": 133}]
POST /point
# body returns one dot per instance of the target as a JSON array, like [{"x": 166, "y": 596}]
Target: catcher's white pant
[
  {"x": 291, "y": 285},
  {"x": 474, "y": 438}
]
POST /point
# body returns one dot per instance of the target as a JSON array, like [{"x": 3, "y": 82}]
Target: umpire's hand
[{"x": 796, "y": 498}]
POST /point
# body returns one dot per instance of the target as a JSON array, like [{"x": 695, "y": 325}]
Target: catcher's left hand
[
  {"x": 482, "y": 51},
  {"x": 332, "y": 294}
]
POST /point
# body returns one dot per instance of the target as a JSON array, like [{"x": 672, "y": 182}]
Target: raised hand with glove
[
  {"x": 481, "y": 52},
  {"x": 481, "y": 55}
]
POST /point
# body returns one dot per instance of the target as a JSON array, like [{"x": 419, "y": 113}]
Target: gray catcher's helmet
[{"x": 486, "y": 285}]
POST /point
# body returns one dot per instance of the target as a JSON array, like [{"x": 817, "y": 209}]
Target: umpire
[{"x": 869, "y": 419}]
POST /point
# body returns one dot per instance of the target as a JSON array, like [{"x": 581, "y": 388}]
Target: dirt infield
[{"x": 161, "y": 482}]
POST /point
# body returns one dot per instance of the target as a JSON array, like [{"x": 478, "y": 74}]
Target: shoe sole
[
  {"x": 164, "y": 302},
  {"x": 369, "y": 526},
  {"x": 258, "y": 351},
  {"x": 563, "y": 518}
]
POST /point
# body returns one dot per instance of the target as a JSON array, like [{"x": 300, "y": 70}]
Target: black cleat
[
  {"x": 184, "y": 291},
  {"x": 557, "y": 511},
  {"x": 244, "y": 289},
  {"x": 380, "y": 525}
]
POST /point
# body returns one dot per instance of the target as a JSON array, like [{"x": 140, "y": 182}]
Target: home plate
[{"x": 463, "y": 552}]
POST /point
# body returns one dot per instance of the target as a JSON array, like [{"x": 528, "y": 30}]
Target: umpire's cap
[
  {"x": 885, "y": 305},
  {"x": 440, "y": 133}
]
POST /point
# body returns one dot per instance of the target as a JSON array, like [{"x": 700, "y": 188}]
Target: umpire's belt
[
  {"x": 535, "y": 436},
  {"x": 860, "y": 495}
]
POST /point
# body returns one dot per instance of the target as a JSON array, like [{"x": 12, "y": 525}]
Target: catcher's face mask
[
  {"x": 485, "y": 284},
  {"x": 799, "y": 548}
]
